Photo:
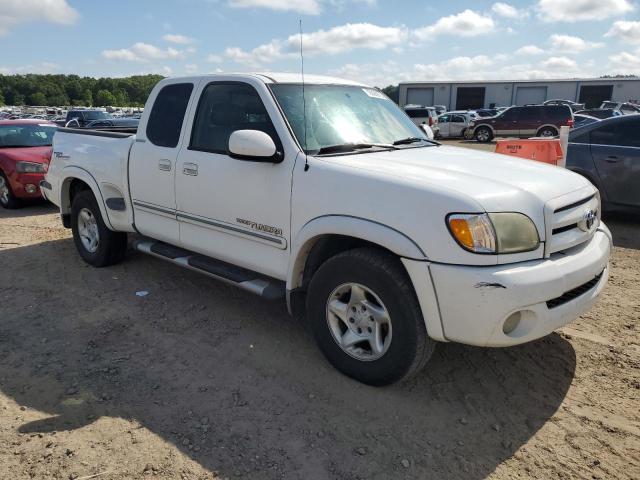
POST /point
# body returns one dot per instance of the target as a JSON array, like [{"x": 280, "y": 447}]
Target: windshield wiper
[
  {"x": 352, "y": 147},
  {"x": 408, "y": 140}
]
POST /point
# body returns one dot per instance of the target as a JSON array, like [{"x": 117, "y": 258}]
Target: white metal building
[{"x": 501, "y": 93}]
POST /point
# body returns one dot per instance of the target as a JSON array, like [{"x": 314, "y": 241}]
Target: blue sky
[{"x": 376, "y": 41}]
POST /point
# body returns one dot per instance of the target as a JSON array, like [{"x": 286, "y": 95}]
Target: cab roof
[{"x": 275, "y": 77}]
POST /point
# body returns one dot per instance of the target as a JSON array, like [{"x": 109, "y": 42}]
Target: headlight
[
  {"x": 493, "y": 232},
  {"x": 31, "y": 167}
]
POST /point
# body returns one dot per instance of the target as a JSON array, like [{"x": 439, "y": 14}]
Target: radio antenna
[{"x": 304, "y": 102}]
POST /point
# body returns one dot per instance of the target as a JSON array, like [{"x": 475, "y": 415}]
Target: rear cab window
[{"x": 167, "y": 114}]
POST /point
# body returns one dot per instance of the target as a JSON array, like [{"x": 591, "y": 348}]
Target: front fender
[
  {"x": 71, "y": 173},
  {"x": 369, "y": 230}
]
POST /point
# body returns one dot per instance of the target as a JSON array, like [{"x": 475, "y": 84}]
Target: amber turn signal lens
[{"x": 461, "y": 231}]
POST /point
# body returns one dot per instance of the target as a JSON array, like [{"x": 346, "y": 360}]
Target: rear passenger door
[
  {"x": 457, "y": 125},
  {"x": 152, "y": 162},
  {"x": 235, "y": 210},
  {"x": 507, "y": 123},
  {"x": 615, "y": 148}
]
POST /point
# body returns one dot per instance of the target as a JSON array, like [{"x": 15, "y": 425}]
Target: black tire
[
  {"x": 483, "y": 138},
  {"x": 111, "y": 247},
  {"x": 547, "y": 132},
  {"x": 9, "y": 201},
  {"x": 382, "y": 273}
]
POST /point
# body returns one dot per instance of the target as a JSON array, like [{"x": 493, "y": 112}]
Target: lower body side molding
[{"x": 266, "y": 287}]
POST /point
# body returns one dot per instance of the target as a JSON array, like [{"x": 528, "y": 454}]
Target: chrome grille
[{"x": 568, "y": 224}]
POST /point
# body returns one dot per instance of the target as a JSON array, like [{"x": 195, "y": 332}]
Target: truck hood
[
  {"x": 497, "y": 182},
  {"x": 27, "y": 154}
]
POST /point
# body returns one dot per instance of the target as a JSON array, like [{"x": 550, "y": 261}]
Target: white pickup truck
[{"x": 327, "y": 194}]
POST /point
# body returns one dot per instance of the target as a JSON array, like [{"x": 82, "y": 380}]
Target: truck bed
[{"x": 113, "y": 132}]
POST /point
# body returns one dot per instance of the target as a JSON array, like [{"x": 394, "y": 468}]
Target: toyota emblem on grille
[{"x": 588, "y": 221}]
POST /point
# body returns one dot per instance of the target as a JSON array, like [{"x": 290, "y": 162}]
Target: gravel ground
[{"x": 198, "y": 380}]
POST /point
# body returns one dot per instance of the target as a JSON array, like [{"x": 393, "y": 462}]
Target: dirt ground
[{"x": 198, "y": 380}]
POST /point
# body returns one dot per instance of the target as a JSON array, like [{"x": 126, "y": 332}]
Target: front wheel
[
  {"x": 7, "y": 198},
  {"x": 96, "y": 244},
  {"x": 366, "y": 319},
  {"x": 483, "y": 134}
]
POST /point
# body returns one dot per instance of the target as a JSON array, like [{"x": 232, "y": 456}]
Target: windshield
[
  {"x": 96, "y": 115},
  {"x": 344, "y": 115},
  {"x": 32, "y": 135}
]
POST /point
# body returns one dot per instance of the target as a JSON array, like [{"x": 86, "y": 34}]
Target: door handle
[
  {"x": 190, "y": 169},
  {"x": 164, "y": 165},
  {"x": 612, "y": 159}
]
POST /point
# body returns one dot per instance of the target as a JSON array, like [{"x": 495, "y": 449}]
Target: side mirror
[{"x": 253, "y": 146}]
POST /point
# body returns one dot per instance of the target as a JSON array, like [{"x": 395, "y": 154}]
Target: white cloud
[
  {"x": 559, "y": 64},
  {"x": 581, "y": 10},
  {"x": 212, "y": 58},
  {"x": 455, "y": 68},
  {"x": 464, "y": 24},
  {"x": 507, "y": 11},
  {"x": 628, "y": 32},
  {"x": 529, "y": 50},
  {"x": 191, "y": 68},
  {"x": 44, "y": 67},
  {"x": 144, "y": 52},
  {"x": 310, "y": 7},
  {"x": 341, "y": 39},
  {"x": 625, "y": 63},
  {"x": 15, "y": 12},
  {"x": 570, "y": 44},
  {"x": 179, "y": 39}
]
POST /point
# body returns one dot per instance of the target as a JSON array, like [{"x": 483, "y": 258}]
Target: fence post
[{"x": 564, "y": 144}]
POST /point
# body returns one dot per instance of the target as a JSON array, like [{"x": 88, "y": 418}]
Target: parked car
[
  {"x": 420, "y": 114},
  {"x": 580, "y": 120},
  {"x": 608, "y": 154},
  {"x": 384, "y": 241},
  {"x": 527, "y": 121},
  {"x": 111, "y": 123},
  {"x": 625, "y": 108},
  {"x": 454, "y": 124},
  {"x": 82, "y": 117},
  {"x": 25, "y": 150},
  {"x": 600, "y": 113},
  {"x": 440, "y": 109},
  {"x": 571, "y": 104}
]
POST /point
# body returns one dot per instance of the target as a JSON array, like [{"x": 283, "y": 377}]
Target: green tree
[
  {"x": 1, "y": 99},
  {"x": 393, "y": 92},
  {"x": 37, "y": 98},
  {"x": 104, "y": 98}
]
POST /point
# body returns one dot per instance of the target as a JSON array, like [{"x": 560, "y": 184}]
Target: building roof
[{"x": 540, "y": 80}]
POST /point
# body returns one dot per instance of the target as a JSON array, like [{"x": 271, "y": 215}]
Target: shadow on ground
[
  {"x": 240, "y": 387},
  {"x": 624, "y": 228},
  {"x": 28, "y": 209}
]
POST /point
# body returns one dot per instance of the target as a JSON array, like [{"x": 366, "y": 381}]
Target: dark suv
[
  {"x": 82, "y": 117},
  {"x": 527, "y": 121}
]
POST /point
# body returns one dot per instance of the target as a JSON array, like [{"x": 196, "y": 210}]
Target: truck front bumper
[{"x": 507, "y": 305}]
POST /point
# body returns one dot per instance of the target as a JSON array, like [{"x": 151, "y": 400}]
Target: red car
[{"x": 25, "y": 151}]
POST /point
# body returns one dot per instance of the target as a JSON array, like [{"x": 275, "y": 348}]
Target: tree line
[{"x": 62, "y": 90}]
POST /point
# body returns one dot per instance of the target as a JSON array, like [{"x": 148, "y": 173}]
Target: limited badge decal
[{"x": 260, "y": 227}]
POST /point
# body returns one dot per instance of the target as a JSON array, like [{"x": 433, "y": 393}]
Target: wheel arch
[
  {"x": 328, "y": 235},
  {"x": 75, "y": 180}
]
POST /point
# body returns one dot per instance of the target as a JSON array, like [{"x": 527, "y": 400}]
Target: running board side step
[{"x": 261, "y": 285}]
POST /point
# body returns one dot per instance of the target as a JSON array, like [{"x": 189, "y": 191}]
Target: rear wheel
[
  {"x": 483, "y": 134},
  {"x": 7, "y": 198},
  {"x": 547, "y": 132},
  {"x": 96, "y": 244},
  {"x": 366, "y": 319}
]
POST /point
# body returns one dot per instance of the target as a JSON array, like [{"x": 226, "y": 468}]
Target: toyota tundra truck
[{"x": 324, "y": 193}]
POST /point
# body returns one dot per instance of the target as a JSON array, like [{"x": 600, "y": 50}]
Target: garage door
[
  {"x": 531, "y": 95},
  {"x": 420, "y": 96}
]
